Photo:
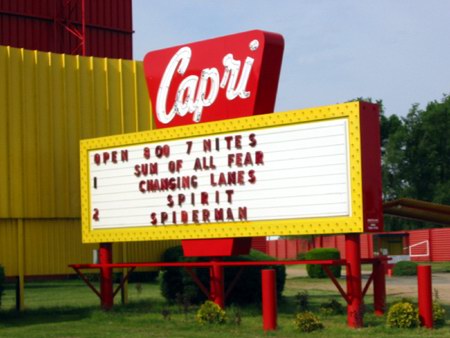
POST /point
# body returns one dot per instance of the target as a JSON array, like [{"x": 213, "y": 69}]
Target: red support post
[
  {"x": 217, "y": 292},
  {"x": 354, "y": 290},
  {"x": 269, "y": 299},
  {"x": 430, "y": 245},
  {"x": 425, "y": 296},
  {"x": 106, "y": 280},
  {"x": 83, "y": 28},
  {"x": 379, "y": 287}
]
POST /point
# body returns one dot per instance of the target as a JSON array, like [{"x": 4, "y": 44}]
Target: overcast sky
[{"x": 397, "y": 51}]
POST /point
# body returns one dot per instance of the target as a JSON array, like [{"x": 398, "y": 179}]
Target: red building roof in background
[{"x": 57, "y": 26}]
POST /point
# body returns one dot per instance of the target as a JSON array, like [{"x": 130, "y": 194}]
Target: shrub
[
  {"x": 249, "y": 289},
  {"x": 211, "y": 313},
  {"x": 405, "y": 268},
  {"x": 302, "y": 301},
  {"x": 333, "y": 307},
  {"x": 176, "y": 282},
  {"x": 301, "y": 256},
  {"x": 316, "y": 270},
  {"x": 2, "y": 282},
  {"x": 438, "y": 314},
  {"x": 403, "y": 315},
  {"x": 307, "y": 322}
]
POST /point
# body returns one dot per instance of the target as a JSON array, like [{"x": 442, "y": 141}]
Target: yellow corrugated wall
[
  {"x": 8, "y": 246},
  {"x": 48, "y": 102}
]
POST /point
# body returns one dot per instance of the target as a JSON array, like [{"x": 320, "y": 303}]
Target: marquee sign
[
  {"x": 222, "y": 78},
  {"x": 311, "y": 171}
]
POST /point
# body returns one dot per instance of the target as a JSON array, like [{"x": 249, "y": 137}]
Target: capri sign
[{"x": 222, "y": 78}]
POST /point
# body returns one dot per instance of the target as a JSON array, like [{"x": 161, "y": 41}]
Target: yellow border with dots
[{"x": 328, "y": 225}]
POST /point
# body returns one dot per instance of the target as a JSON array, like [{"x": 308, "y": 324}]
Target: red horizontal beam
[
  {"x": 207, "y": 264},
  {"x": 216, "y": 263}
]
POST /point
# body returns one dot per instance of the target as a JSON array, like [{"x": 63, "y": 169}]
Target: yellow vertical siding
[
  {"x": 8, "y": 246},
  {"x": 4, "y": 138},
  {"x": 51, "y": 244},
  {"x": 48, "y": 102}
]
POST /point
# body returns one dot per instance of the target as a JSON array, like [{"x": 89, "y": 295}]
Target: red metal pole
[
  {"x": 269, "y": 299},
  {"x": 83, "y": 28},
  {"x": 217, "y": 292},
  {"x": 354, "y": 290},
  {"x": 379, "y": 287},
  {"x": 425, "y": 296},
  {"x": 106, "y": 281}
]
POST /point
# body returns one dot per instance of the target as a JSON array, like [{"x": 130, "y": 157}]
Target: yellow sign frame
[{"x": 324, "y": 225}]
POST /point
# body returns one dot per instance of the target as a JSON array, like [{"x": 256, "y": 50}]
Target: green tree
[
  {"x": 416, "y": 157},
  {"x": 391, "y": 137},
  {"x": 392, "y": 152},
  {"x": 435, "y": 143}
]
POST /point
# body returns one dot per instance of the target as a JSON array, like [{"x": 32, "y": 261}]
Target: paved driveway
[{"x": 396, "y": 286}]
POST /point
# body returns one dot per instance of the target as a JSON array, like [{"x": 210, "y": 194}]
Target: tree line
[{"x": 416, "y": 157}]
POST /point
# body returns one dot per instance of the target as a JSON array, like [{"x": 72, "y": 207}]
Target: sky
[{"x": 394, "y": 50}]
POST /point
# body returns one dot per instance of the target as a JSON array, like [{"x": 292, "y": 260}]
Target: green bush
[
  {"x": 316, "y": 270},
  {"x": 307, "y": 322},
  {"x": 438, "y": 314},
  {"x": 2, "y": 282},
  {"x": 301, "y": 256},
  {"x": 211, "y": 313},
  {"x": 403, "y": 315},
  {"x": 405, "y": 268},
  {"x": 248, "y": 289},
  {"x": 176, "y": 282},
  {"x": 332, "y": 307}
]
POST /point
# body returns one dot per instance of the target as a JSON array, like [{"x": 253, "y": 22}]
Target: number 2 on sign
[{"x": 95, "y": 216}]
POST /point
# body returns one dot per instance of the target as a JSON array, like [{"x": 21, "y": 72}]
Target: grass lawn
[
  {"x": 440, "y": 266},
  {"x": 70, "y": 309}
]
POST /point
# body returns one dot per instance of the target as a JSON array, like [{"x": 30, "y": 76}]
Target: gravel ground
[{"x": 396, "y": 286}]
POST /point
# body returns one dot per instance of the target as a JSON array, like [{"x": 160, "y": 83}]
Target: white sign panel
[{"x": 288, "y": 172}]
